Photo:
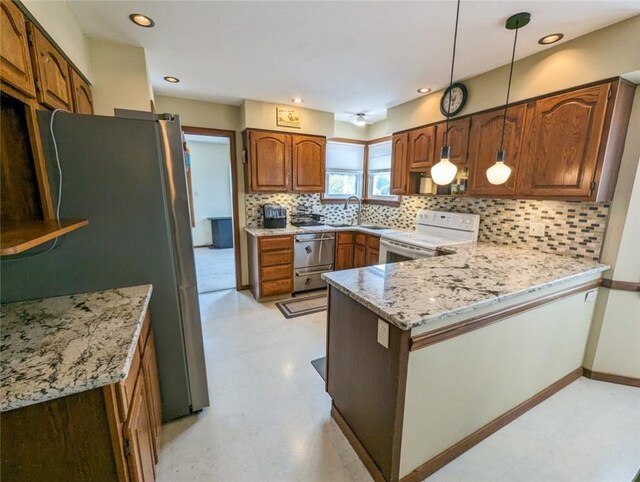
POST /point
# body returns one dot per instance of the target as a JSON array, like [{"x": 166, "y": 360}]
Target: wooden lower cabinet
[
  {"x": 270, "y": 265},
  {"x": 356, "y": 250},
  {"x": 85, "y": 436}
]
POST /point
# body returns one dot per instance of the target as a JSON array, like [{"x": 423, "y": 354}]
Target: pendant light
[
  {"x": 499, "y": 173},
  {"x": 444, "y": 172}
]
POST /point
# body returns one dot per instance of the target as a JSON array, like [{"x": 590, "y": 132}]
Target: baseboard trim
[
  {"x": 453, "y": 452},
  {"x": 611, "y": 378},
  {"x": 356, "y": 445}
]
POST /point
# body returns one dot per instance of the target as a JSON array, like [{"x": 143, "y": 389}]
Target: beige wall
[
  {"x": 599, "y": 55},
  {"x": 262, "y": 115},
  {"x": 120, "y": 78},
  {"x": 615, "y": 334},
  {"x": 348, "y": 130},
  {"x": 60, "y": 23}
]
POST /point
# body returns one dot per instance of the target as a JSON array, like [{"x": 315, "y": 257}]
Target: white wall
[
  {"x": 60, "y": 23},
  {"x": 120, "y": 77},
  {"x": 211, "y": 186},
  {"x": 262, "y": 115}
]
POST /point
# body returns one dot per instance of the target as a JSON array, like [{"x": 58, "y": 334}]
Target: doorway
[{"x": 211, "y": 179}]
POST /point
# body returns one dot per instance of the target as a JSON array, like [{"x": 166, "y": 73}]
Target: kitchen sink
[
  {"x": 372, "y": 227},
  {"x": 340, "y": 225},
  {"x": 366, "y": 226}
]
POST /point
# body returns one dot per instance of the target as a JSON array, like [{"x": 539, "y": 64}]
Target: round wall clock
[{"x": 458, "y": 94}]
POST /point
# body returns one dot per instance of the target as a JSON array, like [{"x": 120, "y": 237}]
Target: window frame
[{"x": 391, "y": 200}]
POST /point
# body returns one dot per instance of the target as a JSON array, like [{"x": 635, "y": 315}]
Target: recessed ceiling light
[
  {"x": 424, "y": 90},
  {"x": 297, "y": 100},
  {"x": 142, "y": 20},
  {"x": 173, "y": 80},
  {"x": 550, "y": 39}
]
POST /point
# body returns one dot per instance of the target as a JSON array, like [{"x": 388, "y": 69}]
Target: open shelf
[{"x": 17, "y": 237}]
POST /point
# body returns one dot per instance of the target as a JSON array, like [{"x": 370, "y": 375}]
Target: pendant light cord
[
  {"x": 506, "y": 103},
  {"x": 453, "y": 61}
]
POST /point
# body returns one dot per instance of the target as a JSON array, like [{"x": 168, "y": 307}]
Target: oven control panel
[{"x": 460, "y": 221}]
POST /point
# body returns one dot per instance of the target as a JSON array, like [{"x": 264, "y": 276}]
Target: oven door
[{"x": 394, "y": 252}]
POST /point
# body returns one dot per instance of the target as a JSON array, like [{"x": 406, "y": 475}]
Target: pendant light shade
[
  {"x": 499, "y": 173},
  {"x": 444, "y": 172}
]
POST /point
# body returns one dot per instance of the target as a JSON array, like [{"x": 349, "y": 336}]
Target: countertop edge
[{"x": 466, "y": 309}]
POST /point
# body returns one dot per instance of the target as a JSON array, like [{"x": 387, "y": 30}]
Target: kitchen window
[
  {"x": 379, "y": 171},
  {"x": 344, "y": 170}
]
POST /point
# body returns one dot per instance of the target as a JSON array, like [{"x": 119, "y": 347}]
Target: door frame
[{"x": 231, "y": 135}]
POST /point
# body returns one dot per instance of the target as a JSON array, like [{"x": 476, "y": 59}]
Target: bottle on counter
[{"x": 464, "y": 181}]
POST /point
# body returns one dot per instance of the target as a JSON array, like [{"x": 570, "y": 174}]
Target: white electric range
[{"x": 434, "y": 230}]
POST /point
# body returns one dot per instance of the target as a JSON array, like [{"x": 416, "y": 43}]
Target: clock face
[{"x": 453, "y": 99}]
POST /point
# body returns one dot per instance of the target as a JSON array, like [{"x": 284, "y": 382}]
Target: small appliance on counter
[
  {"x": 274, "y": 216},
  {"x": 302, "y": 218}
]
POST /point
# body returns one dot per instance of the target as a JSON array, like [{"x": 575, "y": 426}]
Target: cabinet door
[
  {"x": 52, "y": 73},
  {"x": 484, "y": 142},
  {"x": 270, "y": 161},
  {"x": 81, "y": 91},
  {"x": 399, "y": 173},
  {"x": 308, "y": 163},
  {"x": 359, "y": 256},
  {"x": 154, "y": 404},
  {"x": 458, "y": 140},
  {"x": 139, "y": 436},
  {"x": 372, "y": 256},
  {"x": 15, "y": 63},
  {"x": 422, "y": 146},
  {"x": 344, "y": 256},
  {"x": 563, "y": 141}
]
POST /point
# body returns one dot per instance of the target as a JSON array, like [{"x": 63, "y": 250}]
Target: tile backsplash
[{"x": 572, "y": 228}]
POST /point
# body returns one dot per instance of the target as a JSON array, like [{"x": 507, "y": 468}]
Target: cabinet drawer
[
  {"x": 345, "y": 238},
  {"x": 126, "y": 386},
  {"x": 373, "y": 242},
  {"x": 275, "y": 243},
  {"x": 280, "y": 287},
  {"x": 273, "y": 273},
  {"x": 361, "y": 239},
  {"x": 273, "y": 258}
]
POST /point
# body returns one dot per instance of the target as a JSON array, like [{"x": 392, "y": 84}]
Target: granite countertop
[
  {"x": 55, "y": 347},
  {"x": 425, "y": 291},
  {"x": 259, "y": 232}
]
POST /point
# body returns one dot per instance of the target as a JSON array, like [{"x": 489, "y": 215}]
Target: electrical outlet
[
  {"x": 383, "y": 333},
  {"x": 590, "y": 296},
  {"x": 537, "y": 229}
]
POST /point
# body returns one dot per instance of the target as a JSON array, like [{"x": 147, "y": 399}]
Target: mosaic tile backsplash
[{"x": 572, "y": 228}]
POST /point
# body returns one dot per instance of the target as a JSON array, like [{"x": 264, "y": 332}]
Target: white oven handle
[{"x": 406, "y": 249}]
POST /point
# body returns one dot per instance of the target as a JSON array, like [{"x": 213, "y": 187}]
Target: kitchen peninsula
[
  {"x": 428, "y": 357},
  {"x": 79, "y": 388}
]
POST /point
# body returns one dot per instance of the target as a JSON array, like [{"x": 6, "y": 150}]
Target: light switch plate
[
  {"x": 537, "y": 229},
  {"x": 383, "y": 333}
]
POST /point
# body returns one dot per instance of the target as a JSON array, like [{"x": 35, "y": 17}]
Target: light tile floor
[
  {"x": 269, "y": 419},
  {"x": 215, "y": 269}
]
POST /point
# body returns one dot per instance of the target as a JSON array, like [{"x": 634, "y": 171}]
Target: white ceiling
[{"x": 342, "y": 57}]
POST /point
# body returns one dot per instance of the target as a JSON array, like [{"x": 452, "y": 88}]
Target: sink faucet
[{"x": 346, "y": 202}]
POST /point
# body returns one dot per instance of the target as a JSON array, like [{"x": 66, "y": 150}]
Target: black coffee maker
[{"x": 274, "y": 216}]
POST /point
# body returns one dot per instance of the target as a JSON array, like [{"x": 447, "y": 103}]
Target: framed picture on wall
[{"x": 287, "y": 117}]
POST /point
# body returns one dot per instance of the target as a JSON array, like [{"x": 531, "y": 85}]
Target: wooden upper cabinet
[
  {"x": 308, "y": 163},
  {"x": 422, "y": 146},
  {"x": 15, "y": 63},
  {"x": 81, "y": 93},
  {"x": 399, "y": 173},
  {"x": 563, "y": 143},
  {"x": 484, "y": 142},
  {"x": 269, "y": 161},
  {"x": 458, "y": 139},
  {"x": 52, "y": 73}
]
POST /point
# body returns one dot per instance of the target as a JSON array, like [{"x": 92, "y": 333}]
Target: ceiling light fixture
[
  {"x": 173, "y": 80},
  {"x": 499, "y": 173},
  {"x": 551, "y": 39},
  {"x": 142, "y": 20},
  {"x": 444, "y": 172},
  {"x": 297, "y": 100},
  {"x": 424, "y": 90},
  {"x": 360, "y": 120}
]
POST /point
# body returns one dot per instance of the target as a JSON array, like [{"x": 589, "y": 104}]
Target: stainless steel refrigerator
[{"x": 126, "y": 175}]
